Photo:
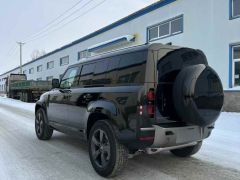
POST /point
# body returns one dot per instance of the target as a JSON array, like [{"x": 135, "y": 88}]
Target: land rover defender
[{"x": 147, "y": 98}]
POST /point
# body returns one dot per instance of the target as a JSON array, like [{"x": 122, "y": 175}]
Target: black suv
[{"x": 147, "y": 98}]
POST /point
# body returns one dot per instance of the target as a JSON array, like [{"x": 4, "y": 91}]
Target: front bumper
[{"x": 176, "y": 136}]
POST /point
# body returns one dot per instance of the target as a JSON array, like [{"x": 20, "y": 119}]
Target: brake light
[
  {"x": 150, "y": 103},
  {"x": 151, "y": 109},
  {"x": 151, "y": 95}
]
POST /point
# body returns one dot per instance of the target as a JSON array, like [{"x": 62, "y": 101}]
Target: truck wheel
[
  {"x": 42, "y": 129},
  {"x": 187, "y": 151},
  {"x": 107, "y": 155}
]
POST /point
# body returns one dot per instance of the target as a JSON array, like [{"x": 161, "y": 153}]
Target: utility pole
[{"x": 20, "y": 45}]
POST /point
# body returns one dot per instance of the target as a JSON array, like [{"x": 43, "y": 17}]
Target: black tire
[
  {"x": 107, "y": 155},
  {"x": 42, "y": 129},
  {"x": 187, "y": 151}
]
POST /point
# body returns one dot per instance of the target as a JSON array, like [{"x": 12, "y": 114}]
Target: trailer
[{"x": 18, "y": 87}]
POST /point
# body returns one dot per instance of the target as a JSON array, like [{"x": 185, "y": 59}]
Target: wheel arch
[
  {"x": 38, "y": 106},
  {"x": 95, "y": 117}
]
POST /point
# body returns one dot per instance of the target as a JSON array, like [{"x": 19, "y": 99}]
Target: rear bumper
[
  {"x": 165, "y": 138},
  {"x": 176, "y": 136}
]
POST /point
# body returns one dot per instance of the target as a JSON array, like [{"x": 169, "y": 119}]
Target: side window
[
  {"x": 99, "y": 76},
  {"x": 70, "y": 78},
  {"x": 87, "y": 74},
  {"x": 132, "y": 68},
  {"x": 112, "y": 70}
]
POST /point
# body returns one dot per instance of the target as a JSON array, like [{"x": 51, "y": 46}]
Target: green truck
[{"x": 18, "y": 87}]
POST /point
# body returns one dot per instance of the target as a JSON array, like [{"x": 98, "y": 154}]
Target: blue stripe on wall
[{"x": 230, "y": 66}]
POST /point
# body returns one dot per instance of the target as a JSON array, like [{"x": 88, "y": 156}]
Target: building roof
[{"x": 124, "y": 20}]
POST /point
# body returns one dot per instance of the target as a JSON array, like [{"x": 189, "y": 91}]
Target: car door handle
[{"x": 65, "y": 91}]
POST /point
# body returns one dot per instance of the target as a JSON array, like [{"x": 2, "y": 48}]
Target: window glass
[
  {"x": 39, "y": 68},
  {"x": 64, "y": 60},
  {"x": 164, "y": 29},
  {"x": 87, "y": 74},
  {"x": 50, "y": 65},
  {"x": 236, "y": 8},
  {"x": 236, "y": 60},
  {"x": 111, "y": 76},
  {"x": 132, "y": 68},
  {"x": 31, "y": 71},
  {"x": 101, "y": 67},
  {"x": 83, "y": 54},
  {"x": 99, "y": 76},
  {"x": 237, "y": 73},
  {"x": 87, "y": 69},
  {"x": 70, "y": 78},
  {"x": 236, "y": 52},
  {"x": 153, "y": 33},
  {"x": 131, "y": 59},
  {"x": 177, "y": 26}
]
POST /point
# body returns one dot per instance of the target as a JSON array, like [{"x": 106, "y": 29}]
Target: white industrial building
[{"x": 210, "y": 25}]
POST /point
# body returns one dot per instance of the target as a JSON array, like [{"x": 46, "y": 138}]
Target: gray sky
[{"x": 21, "y": 19}]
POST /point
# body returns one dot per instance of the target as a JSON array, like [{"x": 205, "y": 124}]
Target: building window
[
  {"x": 236, "y": 64},
  {"x": 165, "y": 29},
  {"x": 153, "y": 32},
  {"x": 50, "y": 65},
  {"x": 64, "y": 61},
  {"x": 83, "y": 54},
  {"x": 49, "y": 78},
  {"x": 31, "y": 71},
  {"x": 39, "y": 68},
  {"x": 39, "y": 79},
  {"x": 235, "y": 8},
  {"x": 177, "y": 25}
]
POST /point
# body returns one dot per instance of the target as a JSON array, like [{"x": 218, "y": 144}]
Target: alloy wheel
[
  {"x": 100, "y": 148},
  {"x": 39, "y": 123}
]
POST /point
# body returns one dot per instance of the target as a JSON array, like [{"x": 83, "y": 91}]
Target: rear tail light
[
  {"x": 151, "y": 95},
  {"x": 150, "y": 104},
  {"x": 141, "y": 110},
  {"x": 151, "y": 110}
]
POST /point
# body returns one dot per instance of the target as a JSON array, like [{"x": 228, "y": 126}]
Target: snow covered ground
[
  {"x": 22, "y": 156},
  {"x": 17, "y": 104}
]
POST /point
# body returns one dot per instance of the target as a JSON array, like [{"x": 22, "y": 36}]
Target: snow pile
[
  {"x": 17, "y": 104},
  {"x": 3, "y": 95},
  {"x": 236, "y": 88}
]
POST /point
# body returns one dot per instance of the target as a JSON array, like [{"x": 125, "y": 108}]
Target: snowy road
[{"x": 22, "y": 156}]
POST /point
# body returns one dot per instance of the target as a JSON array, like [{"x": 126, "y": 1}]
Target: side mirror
[{"x": 55, "y": 83}]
